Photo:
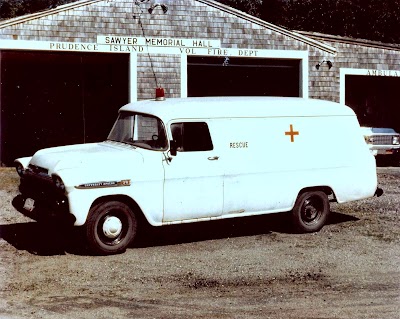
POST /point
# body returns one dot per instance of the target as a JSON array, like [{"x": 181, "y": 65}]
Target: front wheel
[
  {"x": 310, "y": 211},
  {"x": 110, "y": 228}
]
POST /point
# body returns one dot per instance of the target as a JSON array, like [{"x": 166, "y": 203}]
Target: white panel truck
[{"x": 199, "y": 159}]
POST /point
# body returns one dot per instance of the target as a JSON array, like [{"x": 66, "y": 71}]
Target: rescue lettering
[{"x": 239, "y": 145}]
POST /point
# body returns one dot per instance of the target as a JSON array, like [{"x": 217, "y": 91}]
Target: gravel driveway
[{"x": 241, "y": 268}]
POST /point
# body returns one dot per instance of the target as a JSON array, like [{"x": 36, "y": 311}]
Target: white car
[{"x": 382, "y": 141}]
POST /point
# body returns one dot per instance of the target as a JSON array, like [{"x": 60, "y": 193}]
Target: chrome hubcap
[{"x": 112, "y": 227}]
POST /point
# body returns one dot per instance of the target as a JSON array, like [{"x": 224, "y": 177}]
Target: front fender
[
  {"x": 24, "y": 161},
  {"x": 81, "y": 200}
]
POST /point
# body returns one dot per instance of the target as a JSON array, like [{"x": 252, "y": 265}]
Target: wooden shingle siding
[
  {"x": 351, "y": 54},
  {"x": 167, "y": 71},
  {"x": 82, "y": 21}
]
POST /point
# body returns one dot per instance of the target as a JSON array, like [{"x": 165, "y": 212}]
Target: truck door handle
[{"x": 213, "y": 158}]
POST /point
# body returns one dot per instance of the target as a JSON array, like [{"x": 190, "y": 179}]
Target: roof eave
[
  {"x": 296, "y": 36},
  {"x": 348, "y": 40},
  {"x": 45, "y": 13}
]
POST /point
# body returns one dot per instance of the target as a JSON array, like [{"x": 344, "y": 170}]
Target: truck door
[{"x": 193, "y": 186}]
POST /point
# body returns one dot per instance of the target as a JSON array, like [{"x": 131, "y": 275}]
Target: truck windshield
[{"x": 140, "y": 130}]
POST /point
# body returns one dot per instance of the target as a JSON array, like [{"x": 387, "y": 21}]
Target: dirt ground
[{"x": 242, "y": 268}]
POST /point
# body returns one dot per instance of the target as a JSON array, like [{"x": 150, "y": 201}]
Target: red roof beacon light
[{"x": 160, "y": 94}]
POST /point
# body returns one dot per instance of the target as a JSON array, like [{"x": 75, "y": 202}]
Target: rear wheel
[
  {"x": 110, "y": 228},
  {"x": 310, "y": 211}
]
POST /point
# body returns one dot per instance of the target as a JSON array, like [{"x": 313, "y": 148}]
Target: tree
[
  {"x": 367, "y": 19},
  {"x": 10, "y": 8},
  {"x": 271, "y": 11},
  {"x": 13, "y": 8},
  {"x": 250, "y": 6}
]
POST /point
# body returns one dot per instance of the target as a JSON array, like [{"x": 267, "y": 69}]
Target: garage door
[
  {"x": 50, "y": 99},
  {"x": 374, "y": 99},
  {"x": 235, "y": 76}
]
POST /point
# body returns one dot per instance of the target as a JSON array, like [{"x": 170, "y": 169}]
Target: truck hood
[
  {"x": 377, "y": 130},
  {"x": 99, "y": 155}
]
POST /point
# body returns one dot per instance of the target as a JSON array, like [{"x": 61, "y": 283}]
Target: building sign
[
  {"x": 68, "y": 46},
  {"x": 383, "y": 73},
  {"x": 174, "y": 46},
  {"x": 158, "y": 42},
  {"x": 155, "y": 45}
]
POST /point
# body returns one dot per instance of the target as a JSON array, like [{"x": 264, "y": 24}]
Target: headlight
[
  {"x": 396, "y": 140},
  {"x": 369, "y": 139},
  {"x": 58, "y": 182},
  {"x": 20, "y": 169}
]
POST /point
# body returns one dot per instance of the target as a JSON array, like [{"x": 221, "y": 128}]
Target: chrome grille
[
  {"x": 382, "y": 139},
  {"x": 37, "y": 183},
  {"x": 38, "y": 170}
]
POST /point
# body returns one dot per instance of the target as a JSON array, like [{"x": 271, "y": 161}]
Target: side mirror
[{"x": 172, "y": 147}]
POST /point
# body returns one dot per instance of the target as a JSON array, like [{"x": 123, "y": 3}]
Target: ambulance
[{"x": 201, "y": 159}]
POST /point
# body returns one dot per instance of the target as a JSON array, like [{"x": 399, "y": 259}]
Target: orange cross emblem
[{"x": 292, "y": 133}]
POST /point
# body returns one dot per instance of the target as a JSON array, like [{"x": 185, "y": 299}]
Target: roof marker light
[{"x": 160, "y": 94}]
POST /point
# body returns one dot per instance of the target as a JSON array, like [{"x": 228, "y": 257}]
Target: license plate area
[{"x": 29, "y": 204}]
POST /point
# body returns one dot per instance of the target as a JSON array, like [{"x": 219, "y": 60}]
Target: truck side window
[{"x": 191, "y": 136}]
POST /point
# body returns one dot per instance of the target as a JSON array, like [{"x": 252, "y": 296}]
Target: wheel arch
[
  {"x": 127, "y": 200},
  {"x": 326, "y": 189}
]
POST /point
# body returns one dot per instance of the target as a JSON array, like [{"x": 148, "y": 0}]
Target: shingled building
[{"x": 66, "y": 71}]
